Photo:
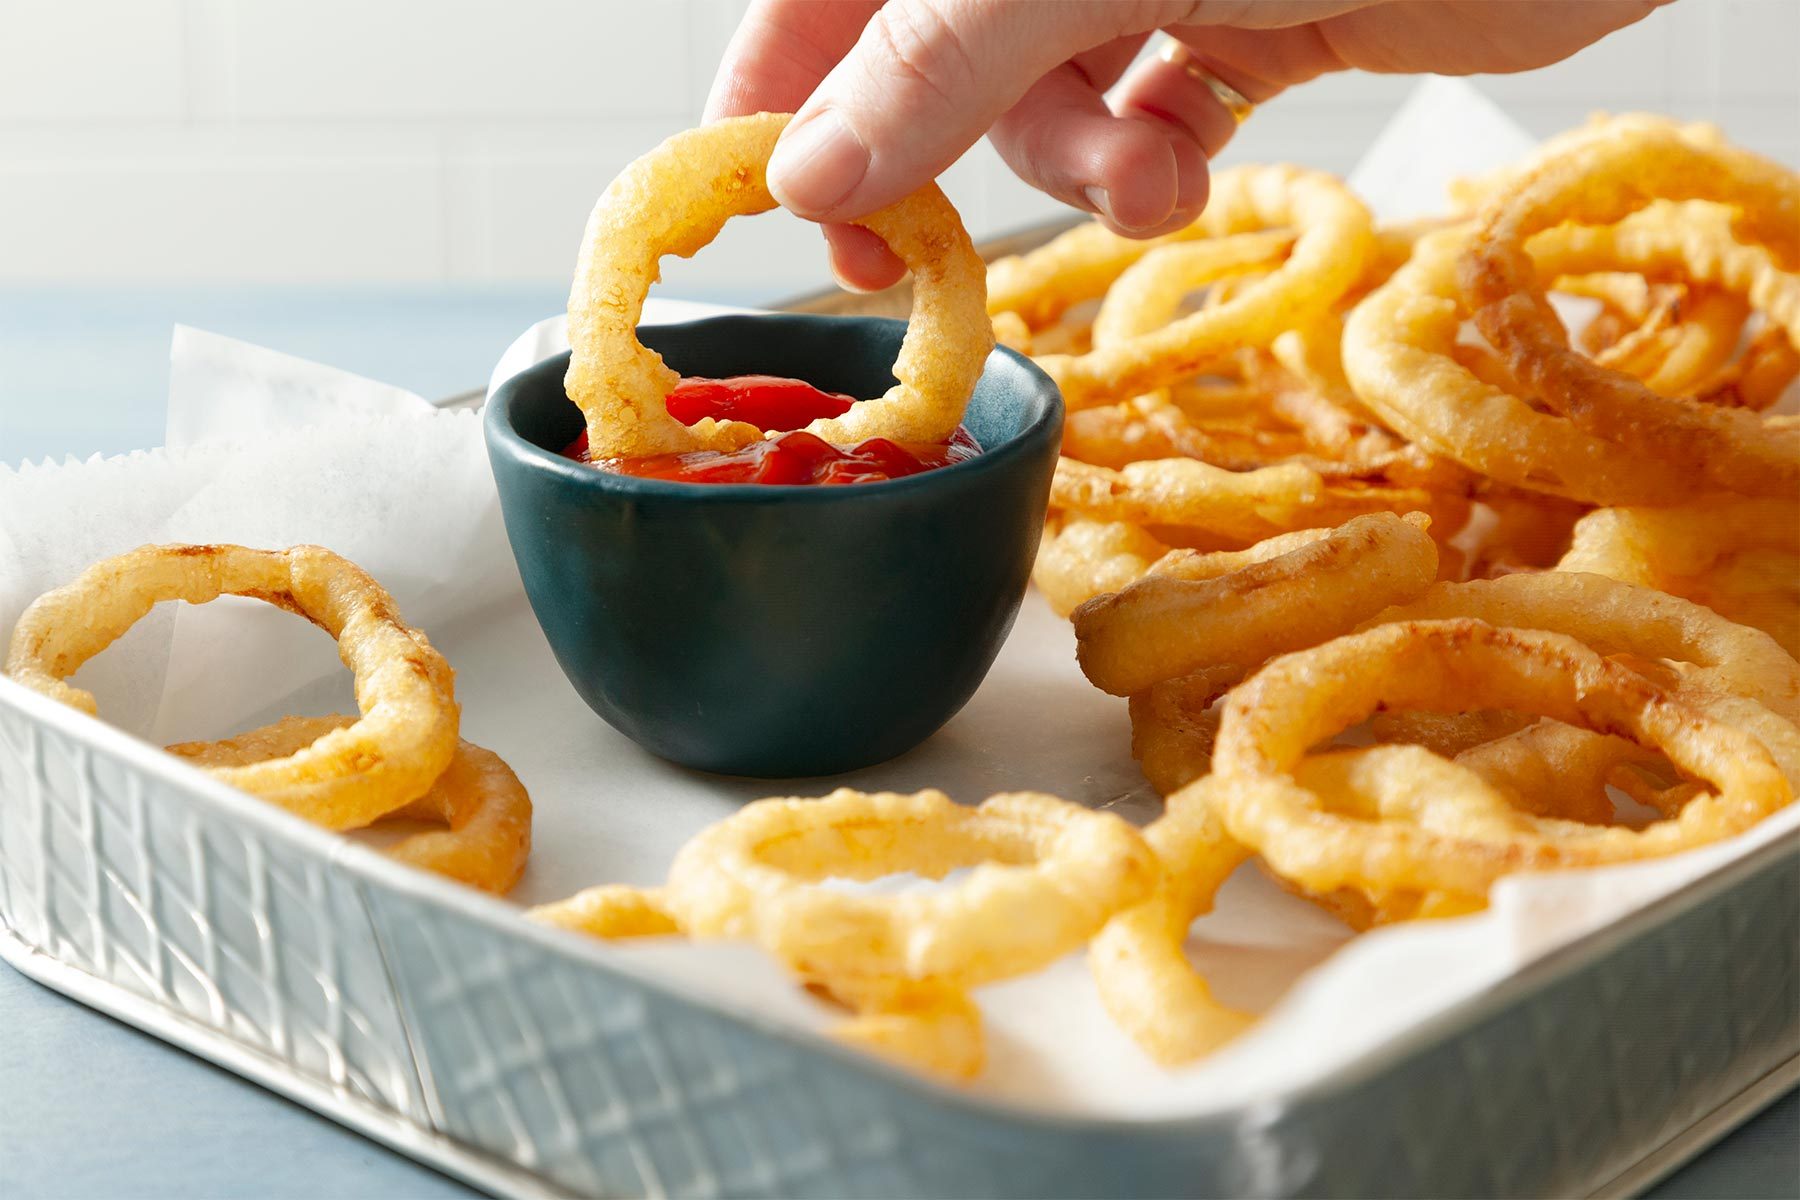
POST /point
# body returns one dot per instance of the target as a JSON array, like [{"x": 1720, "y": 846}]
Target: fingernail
[
  {"x": 1101, "y": 199},
  {"x": 817, "y": 165},
  {"x": 1101, "y": 202}
]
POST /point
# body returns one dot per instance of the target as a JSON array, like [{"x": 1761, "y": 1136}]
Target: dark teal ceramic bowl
[{"x": 777, "y": 631}]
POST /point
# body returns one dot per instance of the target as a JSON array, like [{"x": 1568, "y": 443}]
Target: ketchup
[{"x": 796, "y": 457}]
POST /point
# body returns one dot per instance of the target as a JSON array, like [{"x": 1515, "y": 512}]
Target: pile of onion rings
[
  {"x": 1589, "y": 658},
  {"x": 400, "y": 758}
]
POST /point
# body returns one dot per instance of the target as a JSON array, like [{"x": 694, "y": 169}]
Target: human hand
[{"x": 888, "y": 94}]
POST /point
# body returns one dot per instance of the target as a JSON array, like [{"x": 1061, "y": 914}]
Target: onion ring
[
  {"x": 1740, "y": 558},
  {"x": 613, "y": 910},
  {"x": 1608, "y": 179},
  {"x": 1459, "y": 836},
  {"x": 674, "y": 200},
  {"x": 1162, "y": 626},
  {"x": 1050, "y": 874},
  {"x": 1144, "y": 978},
  {"x": 478, "y": 796},
  {"x": 1336, "y": 238},
  {"x": 404, "y": 688}
]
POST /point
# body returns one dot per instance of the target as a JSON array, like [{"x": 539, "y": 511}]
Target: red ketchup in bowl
[{"x": 796, "y": 457}]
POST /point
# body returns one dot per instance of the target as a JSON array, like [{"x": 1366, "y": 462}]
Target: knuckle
[{"x": 926, "y": 46}]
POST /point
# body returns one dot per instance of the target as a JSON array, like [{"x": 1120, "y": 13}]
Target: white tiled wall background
[{"x": 464, "y": 140}]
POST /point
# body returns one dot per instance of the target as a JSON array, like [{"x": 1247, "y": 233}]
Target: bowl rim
[{"x": 501, "y": 433}]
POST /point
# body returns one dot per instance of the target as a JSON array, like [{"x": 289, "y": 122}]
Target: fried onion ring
[
  {"x": 1460, "y": 835},
  {"x": 612, "y": 910},
  {"x": 1144, "y": 978},
  {"x": 1164, "y": 626},
  {"x": 485, "y": 807},
  {"x": 675, "y": 200},
  {"x": 1608, "y": 179},
  {"x": 1050, "y": 874},
  {"x": 349, "y": 777},
  {"x": 1740, "y": 558},
  {"x": 1336, "y": 238}
]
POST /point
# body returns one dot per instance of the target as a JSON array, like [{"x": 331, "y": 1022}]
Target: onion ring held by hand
[
  {"x": 1461, "y": 839},
  {"x": 349, "y": 777},
  {"x": 478, "y": 797},
  {"x": 675, "y": 200},
  {"x": 1050, "y": 874}
]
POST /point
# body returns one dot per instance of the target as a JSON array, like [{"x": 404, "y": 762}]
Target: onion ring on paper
[
  {"x": 1400, "y": 353},
  {"x": 928, "y": 1027},
  {"x": 1164, "y": 626},
  {"x": 388, "y": 758},
  {"x": 674, "y": 200},
  {"x": 1609, "y": 179},
  {"x": 1149, "y": 294},
  {"x": 1556, "y": 770},
  {"x": 932, "y": 1028},
  {"x": 1082, "y": 263},
  {"x": 1080, "y": 559},
  {"x": 1740, "y": 558},
  {"x": 1469, "y": 193},
  {"x": 612, "y": 910},
  {"x": 1050, "y": 873},
  {"x": 1620, "y": 618},
  {"x": 1234, "y": 506},
  {"x": 478, "y": 796},
  {"x": 1462, "y": 838},
  {"x": 1174, "y": 724},
  {"x": 1144, "y": 978},
  {"x": 1336, "y": 238}
]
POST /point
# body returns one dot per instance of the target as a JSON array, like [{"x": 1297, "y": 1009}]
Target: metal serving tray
[{"x": 534, "y": 1062}]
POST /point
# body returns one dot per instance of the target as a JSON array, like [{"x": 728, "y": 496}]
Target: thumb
[{"x": 922, "y": 84}]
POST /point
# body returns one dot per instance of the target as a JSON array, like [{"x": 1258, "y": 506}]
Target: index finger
[{"x": 781, "y": 51}]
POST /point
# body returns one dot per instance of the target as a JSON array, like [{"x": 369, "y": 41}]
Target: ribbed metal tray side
[{"x": 213, "y": 915}]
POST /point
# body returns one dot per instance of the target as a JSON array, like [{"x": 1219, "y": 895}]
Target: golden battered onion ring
[
  {"x": 1080, "y": 264},
  {"x": 674, "y": 200},
  {"x": 612, "y": 910},
  {"x": 928, "y": 1027},
  {"x": 1174, "y": 724},
  {"x": 1143, "y": 976},
  {"x": 1080, "y": 559},
  {"x": 1336, "y": 238},
  {"x": 1163, "y": 626},
  {"x": 1149, "y": 294},
  {"x": 478, "y": 797},
  {"x": 1470, "y": 193},
  {"x": 1606, "y": 180},
  {"x": 1462, "y": 838},
  {"x": 1740, "y": 558},
  {"x": 1400, "y": 355},
  {"x": 1621, "y": 618},
  {"x": 1050, "y": 874},
  {"x": 1234, "y": 506},
  {"x": 404, "y": 688},
  {"x": 932, "y": 1028}
]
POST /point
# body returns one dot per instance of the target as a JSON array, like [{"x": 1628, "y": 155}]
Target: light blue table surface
[{"x": 92, "y": 1108}]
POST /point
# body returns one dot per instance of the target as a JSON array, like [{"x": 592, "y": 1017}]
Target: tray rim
[{"x": 366, "y": 867}]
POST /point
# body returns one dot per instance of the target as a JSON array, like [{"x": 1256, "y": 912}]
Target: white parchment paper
[{"x": 381, "y": 476}]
